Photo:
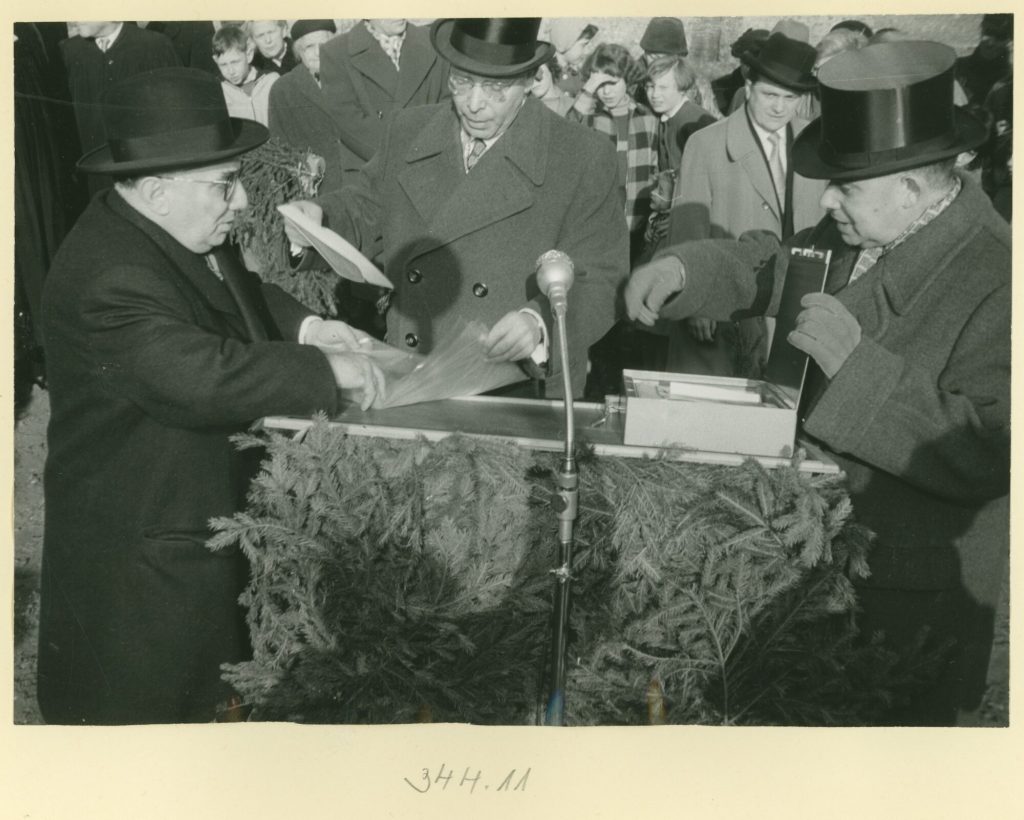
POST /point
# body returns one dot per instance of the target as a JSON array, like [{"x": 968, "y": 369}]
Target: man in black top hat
[
  {"x": 160, "y": 347},
  {"x": 909, "y": 387},
  {"x": 464, "y": 196},
  {"x": 737, "y": 175}
]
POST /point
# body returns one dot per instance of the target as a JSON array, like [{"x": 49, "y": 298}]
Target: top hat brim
[
  {"x": 247, "y": 135},
  {"x": 807, "y": 83},
  {"x": 441, "y": 37},
  {"x": 969, "y": 133}
]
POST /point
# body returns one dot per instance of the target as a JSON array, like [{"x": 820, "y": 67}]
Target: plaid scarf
[
  {"x": 867, "y": 258},
  {"x": 636, "y": 142},
  {"x": 392, "y": 44}
]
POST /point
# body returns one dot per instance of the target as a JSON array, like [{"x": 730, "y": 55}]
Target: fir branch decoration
[
  {"x": 396, "y": 579},
  {"x": 272, "y": 174}
]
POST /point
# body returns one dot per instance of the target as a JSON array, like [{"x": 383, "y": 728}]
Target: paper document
[
  {"x": 343, "y": 257},
  {"x": 457, "y": 367}
]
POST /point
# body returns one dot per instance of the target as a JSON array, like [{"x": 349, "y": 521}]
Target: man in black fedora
[
  {"x": 160, "y": 347},
  {"x": 910, "y": 343},
  {"x": 737, "y": 175},
  {"x": 465, "y": 195}
]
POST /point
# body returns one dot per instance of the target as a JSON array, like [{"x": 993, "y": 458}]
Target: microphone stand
[{"x": 565, "y": 502}]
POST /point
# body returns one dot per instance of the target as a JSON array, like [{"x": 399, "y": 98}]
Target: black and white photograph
[{"x": 549, "y": 372}]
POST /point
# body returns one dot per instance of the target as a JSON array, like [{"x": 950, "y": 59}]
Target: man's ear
[
  {"x": 913, "y": 188},
  {"x": 250, "y": 52},
  {"x": 153, "y": 193}
]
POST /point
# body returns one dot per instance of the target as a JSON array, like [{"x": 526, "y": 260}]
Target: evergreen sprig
[
  {"x": 272, "y": 174},
  {"x": 392, "y": 580}
]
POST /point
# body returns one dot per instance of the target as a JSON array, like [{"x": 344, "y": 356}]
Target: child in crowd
[
  {"x": 246, "y": 88},
  {"x": 670, "y": 82},
  {"x": 607, "y": 104},
  {"x": 547, "y": 91}
]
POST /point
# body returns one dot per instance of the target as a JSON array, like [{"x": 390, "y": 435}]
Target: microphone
[{"x": 555, "y": 277}]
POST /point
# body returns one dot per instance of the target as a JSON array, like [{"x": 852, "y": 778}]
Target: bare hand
[
  {"x": 514, "y": 336},
  {"x": 337, "y": 336},
  {"x": 353, "y": 371},
  {"x": 650, "y": 286},
  {"x": 311, "y": 210},
  {"x": 596, "y": 80},
  {"x": 826, "y": 331},
  {"x": 702, "y": 329}
]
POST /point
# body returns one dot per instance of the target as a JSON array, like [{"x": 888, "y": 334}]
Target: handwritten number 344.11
[{"x": 510, "y": 783}]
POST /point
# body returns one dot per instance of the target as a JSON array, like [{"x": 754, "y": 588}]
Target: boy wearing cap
[
  {"x": 737, "y": 175},
  {"x": 909, "y": 390},
  {"x": 160, "y": 347}
]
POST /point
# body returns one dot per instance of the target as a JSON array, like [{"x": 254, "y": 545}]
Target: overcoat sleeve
[
  {"x": 145, "y": 343},
  {"x": 949, "y": 437},
  {"x": 946, "y": 434}
]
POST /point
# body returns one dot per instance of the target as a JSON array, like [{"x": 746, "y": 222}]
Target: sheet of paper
[
  {"x": 343, "y": 257},
  {"x": 459, "y": 367}
]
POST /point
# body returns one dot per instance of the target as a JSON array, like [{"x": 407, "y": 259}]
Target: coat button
[
  {"x": 765, "y": 206},
  {"x": 380, "y": 115},
  {"x": 480, "y": 290},
  {"x": 414, "y": 275},
  {"x": 412, "y": 339}
]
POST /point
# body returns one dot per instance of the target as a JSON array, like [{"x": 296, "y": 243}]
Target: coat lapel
[
  {"x": 190, "y": 265},
  {"x": 453, "y": 203},
  {"x": 418, "y": 57},
  {"x": 742, "y": 147},
  {"x": 370, "y": 60}
]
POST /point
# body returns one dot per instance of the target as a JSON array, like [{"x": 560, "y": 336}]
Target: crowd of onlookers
[{"x": 333, "y": 93}]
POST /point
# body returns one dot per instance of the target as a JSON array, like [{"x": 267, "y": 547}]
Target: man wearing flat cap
[
  {"x": 910, "y": 348},
  {"x": 464, "y": 196},
  {"x": 160, "y": 346},
  {"x": 737, "y": 175}
]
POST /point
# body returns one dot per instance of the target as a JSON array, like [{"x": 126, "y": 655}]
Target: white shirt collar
[{"x": 670, "y": 114}]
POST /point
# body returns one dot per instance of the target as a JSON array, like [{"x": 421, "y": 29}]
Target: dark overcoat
[
  {"x": 91, "y": 72},
  {"x": 465, "y": 245},
  {"x": 365, "y": 89},
  {"x": 150, "y": 371},
  {"x": 299, "y": 116},
  {"x": 919, "y": 416}
]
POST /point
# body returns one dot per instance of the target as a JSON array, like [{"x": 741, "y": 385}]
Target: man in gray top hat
[
  {"x": 160, "y": 346},
  {"x": 910, "y": 342}
]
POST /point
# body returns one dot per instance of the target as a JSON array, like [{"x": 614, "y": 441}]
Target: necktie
[
  {"x": 103, "y": 43},
  {"x": 775, "y": 165},
  {"x": 475, "y": 153}
]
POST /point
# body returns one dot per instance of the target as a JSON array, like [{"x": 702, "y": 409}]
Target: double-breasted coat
[
  {"x": 365, "y": 89},
  {"x": 464, "y": 245},
  {"x": 150, "y": 371},
  {"x": 300, "y": 117},
  {"x": 918, "y": 417},
  {"x": 723, "y": 189}
]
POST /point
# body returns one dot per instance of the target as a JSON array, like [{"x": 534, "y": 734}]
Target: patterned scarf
[{"x": 392, "y": 44}]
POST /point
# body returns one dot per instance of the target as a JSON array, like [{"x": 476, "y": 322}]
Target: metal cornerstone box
[{"x": 726, "y": 414}]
